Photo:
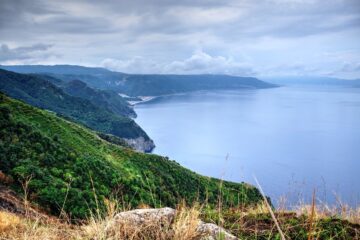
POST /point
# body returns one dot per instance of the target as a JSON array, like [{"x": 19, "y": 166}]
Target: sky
[{"x": 237, "y": 37}]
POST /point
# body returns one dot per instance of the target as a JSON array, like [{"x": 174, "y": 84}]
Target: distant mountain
[
  {"x": 95, "y": 77},
  {"x": 44, "y": 94},
  {"x": 308, "y": 80},
  {"x": 142, "y": 84},
  {"x": 57, "y": 69},
  {"x": 153, "y": 85}
]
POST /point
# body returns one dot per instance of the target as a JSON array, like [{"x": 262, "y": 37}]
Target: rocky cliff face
[{"x": 140, "y": 144}]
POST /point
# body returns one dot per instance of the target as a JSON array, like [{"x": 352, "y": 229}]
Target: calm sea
[{"x": 293, "y": 140}]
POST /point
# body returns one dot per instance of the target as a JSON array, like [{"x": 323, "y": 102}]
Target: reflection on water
[{"x": 292, "y": 139}]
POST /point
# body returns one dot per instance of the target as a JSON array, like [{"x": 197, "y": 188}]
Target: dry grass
[
  {"x": 182, "y": 228},
  {"x": 253, "y": 221},
  {"x": 8, "y": 221},
  {"x": 186, "y": 222},
  {"x": 322, "y": 211},
  {"x": 13, "y": 227}
]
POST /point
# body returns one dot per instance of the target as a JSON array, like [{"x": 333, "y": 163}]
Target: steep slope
[
  {"x": 41, "y": 93},
  {"x": 143, "y": 85},
  {"x": 103, "y": 98},
  {"x": 70, "y": 168},
  {"x": 107, "y": 99}
]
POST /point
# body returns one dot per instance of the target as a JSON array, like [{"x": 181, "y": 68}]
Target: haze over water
[{"x": 292, "y": 139}]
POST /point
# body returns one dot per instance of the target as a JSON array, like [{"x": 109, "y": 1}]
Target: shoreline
[{"x": 144, "y": 99}]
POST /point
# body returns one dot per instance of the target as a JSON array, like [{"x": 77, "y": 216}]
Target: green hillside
[
  {"x": 106, "y": 99},
  {"x": 68, "y": 163},
  {"x": 102, "y": 98},
  {"x": 43, "y": 94}
]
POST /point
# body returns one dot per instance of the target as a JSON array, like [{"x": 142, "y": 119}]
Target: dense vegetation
[
  {"x": 71, "y": 168},
  {"x": 105, "y": 99},
  {"x": 43, "y": 94},
  {"x": 102, "y": 98},
  {"x": 143, "y": 85},
  {"x": 251, "y": 224}
]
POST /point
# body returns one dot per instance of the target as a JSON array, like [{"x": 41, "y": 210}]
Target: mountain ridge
[{"x": 143, "y": 84}]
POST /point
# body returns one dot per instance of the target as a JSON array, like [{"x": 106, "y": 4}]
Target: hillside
[
  {"x": 154, "y": 85},
  {"x": 43, "y": 94},
  {"x": 140, "y": 84},
  {"x": 69, "y": 167},
  {"x": 102, "y": 98},
  {"x": 106, "y": 99}
]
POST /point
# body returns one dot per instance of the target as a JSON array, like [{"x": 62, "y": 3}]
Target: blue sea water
[{"x": 292, "y": 139}]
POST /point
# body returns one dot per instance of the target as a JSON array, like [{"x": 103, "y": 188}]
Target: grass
[
  {"x": 15, "y": 227},
  {"x": 303, "y": 222},
  {"x": 246, "y": 223}
]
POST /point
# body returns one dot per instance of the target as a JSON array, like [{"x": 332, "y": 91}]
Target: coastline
[{"x": 143, "y": 100}]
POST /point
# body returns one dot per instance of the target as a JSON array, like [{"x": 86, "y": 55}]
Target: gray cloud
[
  {"x": 164, "y": 34},
  {"x": 23, "y": 53}
]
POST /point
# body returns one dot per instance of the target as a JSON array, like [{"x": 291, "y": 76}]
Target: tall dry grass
[
  {"x": 183, "y": 227},
  {"x": 15, "y": 227},
  {"x": 238, "y": 220}
]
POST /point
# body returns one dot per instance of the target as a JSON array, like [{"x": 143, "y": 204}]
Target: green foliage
[
  {"x": 260, "y": 226},
  {"x": 105, "y": 99},
  {"x": 72, "y": 168},
  {"x": 43, "y": 94},
  {"x": 113, "y": 139}
]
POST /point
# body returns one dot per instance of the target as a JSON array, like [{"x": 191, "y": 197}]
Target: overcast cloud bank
[{"x": 237, "y": 37}]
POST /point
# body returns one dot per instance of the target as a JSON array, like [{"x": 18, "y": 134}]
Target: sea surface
[{"x": 293, "y": 140}]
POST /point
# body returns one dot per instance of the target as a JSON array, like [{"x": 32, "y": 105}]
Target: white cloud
[
  {"x": 136, "y": 64},
  {"x": 199, "y": 63}
]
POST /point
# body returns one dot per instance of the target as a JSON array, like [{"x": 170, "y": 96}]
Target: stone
[{"x": 165, "y": 217}]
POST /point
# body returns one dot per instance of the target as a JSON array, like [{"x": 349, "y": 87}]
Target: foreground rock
[{"x": 157, "y": 223}]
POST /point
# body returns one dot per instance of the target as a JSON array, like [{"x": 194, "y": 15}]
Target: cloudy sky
[{"x": 238, "y": 37}]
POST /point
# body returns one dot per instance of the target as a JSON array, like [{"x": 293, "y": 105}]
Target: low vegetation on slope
[
  {"x": 43, "y": 94},
  {"x": 253, "y": 223},
  {"x": 316, "y": 222},
  {"x": 67, "y": 167}
]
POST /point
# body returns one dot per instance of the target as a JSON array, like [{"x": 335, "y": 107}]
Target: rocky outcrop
[
  {"x": 212, "y": 231},
  {"x": 140, "y": 144},
  {"x": 162, "y": 218}
]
